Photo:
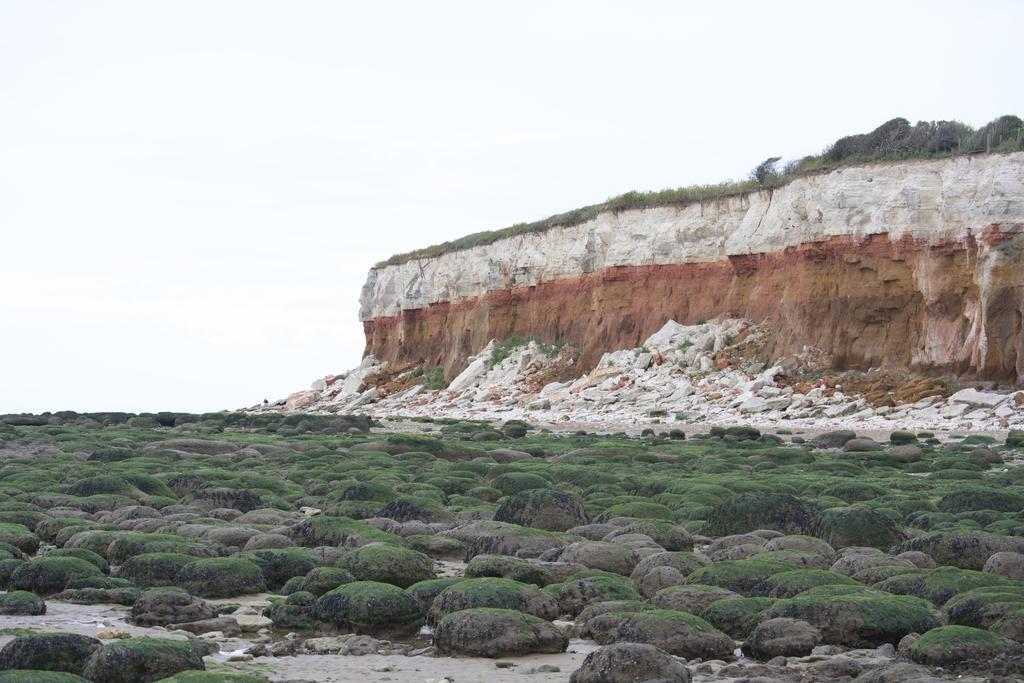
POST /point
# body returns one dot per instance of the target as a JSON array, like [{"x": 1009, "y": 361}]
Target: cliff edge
[{"x": 910, "y": 264}]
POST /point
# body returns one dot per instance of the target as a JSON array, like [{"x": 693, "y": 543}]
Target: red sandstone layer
[{"x": 869, "y": 303}]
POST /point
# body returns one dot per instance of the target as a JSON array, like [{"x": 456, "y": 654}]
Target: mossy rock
[
  {"x": 35, "y": 676},
  {"x": 858, "y": 618},
  {"x": 488, "y": 632},
  {"x": 123, "y": 548},
  {"x": 746, "y": 577},
  {"x": 857, "y": 526},
  {"x": 82, "y": 554},
  {"x": 339, "y": 531},
  {"x": 297, "y": 612},
  {"x": 949, "y": 645},
  {"x": 7, "y": 568},
  {"x": 668, "y": 535},
  {"x": 21, "y": 603},
  {"x": 736, "y": 617},
  {"x": 967, "y": 550},
  {"x": 511, "y": 483},
  {"x": 280, "y": 564},
  {"x": 101, "y": 484},
  {"x": 982, "y": 607},
  {"x": 20, "y": 536},
  {"x": 504, "y": 567},
  {"x": 386, "y": 563},
  {"x": 542, "y": 508},
  {"x": 678, "y": 633},
  {"x": 970, "y": 498},
  {"x": 415, "y": 508},
  {"x": 789, "y": 584},
  {"x": 141, "y": 660},
  {"x": 692, "y": 598},
  {"x": 637, "y": 509},
  {"x": 49, "y": 575},
  {"x": 213, "y": 677},
  {"x": 323, "y": 579},
  {"x": 493, "y": 593},
  {"x": 221, "y": 577},
  {"x": 154, "y": 569},
  {"x": 574, "y": 594},
  {"x": 370, "y": 607},
  {"x": 99, "y": 596},
  {"x": 164, "y": 606},
  {"x": 437, "y": 547},
  {"x": 66, "y": 652},
  {"x": 424, "y": 592},
  {"x": 940, "y": 584},
  {"x": 748, "y": 512}
]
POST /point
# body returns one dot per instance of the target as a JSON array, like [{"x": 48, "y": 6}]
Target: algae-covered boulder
[
  {"x": 858, "y": 619},
  {"x": 781, "y": 637},
  {"x": 387, "y": 563},
  {"x": 126, "y": 546},
  {"x": 940, "y": 584},
  {"x": 279, "y": 565},
  {"x": 576, "y": 593},
  {"x": 415, "y": 508},
  {"x": 857, "y": 526},
  {"x": 629, "y": 663},
  {"x": 82, "y": 554},
  {"x": 983, "y": 607},
  {"x": 788, "y": 584},
  {"x": 20, "y": 536},
  {"x": 297, "y": 612},
  {"x": 424, "y": 592},
  {"x": 150, "y": 570},
  {"x": 213, "y": 677},
  {"x": 338, "y": 531},
  {"x": 141, "y": 660},
  {"x": 970, "y": 498},
  {"x": 542, "y": 508},
  {"x": 49, "y": 575},
  {"x": 746, "y": 577},
  {"x": 504, "y": 567},
  {"x": 690, "y": 598},
  {"x": 323, "y": 579},
  {"x": 163, "y": 606},
  {"x": 748, "y": 512},
  {"x": 372, "y": 608},
  {"x": 609, "y": 557},
  {"x": 36, "y": 676},
  {"x": 499, "y": 538},
  {"x": 955, "y": 644},
  {"x": 736, "y": 617},
  {"x": 650, "y": 576},
  {"x": 48, "y": 652},
  {"x": 678, "y": 633},
  {"x": 966, "y": 549},
  {"x": 669, "y": 536},
  {"x": 486, "y": 632},
  {"x": 1006, "y": 564},
  {"x": 493, "y": 593},
  {"x": 21, "y": 603},
  {"x": 221, "y": 577},
  {"x": 511, "y": 483}
]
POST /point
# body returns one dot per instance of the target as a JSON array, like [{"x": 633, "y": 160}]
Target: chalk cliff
[{"x": 916, "y": 264}]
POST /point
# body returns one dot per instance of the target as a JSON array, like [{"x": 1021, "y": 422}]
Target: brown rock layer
[{"x": 950, "y": 307}]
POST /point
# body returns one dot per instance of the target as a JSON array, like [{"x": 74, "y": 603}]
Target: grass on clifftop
[{"x": 892, "y": 141}]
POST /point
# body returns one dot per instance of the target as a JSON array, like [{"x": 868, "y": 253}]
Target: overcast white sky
[{"x": 191, "y": 192}]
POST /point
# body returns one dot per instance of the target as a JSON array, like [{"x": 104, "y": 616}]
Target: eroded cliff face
[{"x": 914, "y": 264}]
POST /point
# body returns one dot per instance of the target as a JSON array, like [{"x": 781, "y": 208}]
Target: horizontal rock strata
[{"x": 913, "y": 264}]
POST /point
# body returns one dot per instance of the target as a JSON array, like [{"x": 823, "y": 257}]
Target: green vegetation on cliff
[{"x": 894, "y": 140}]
